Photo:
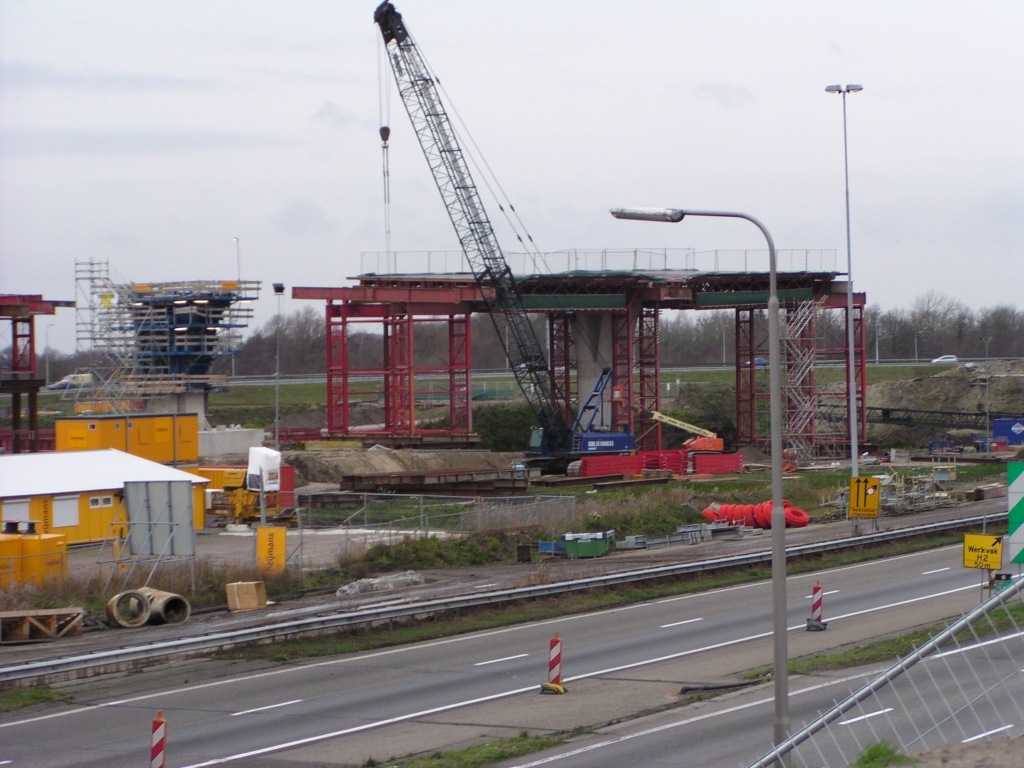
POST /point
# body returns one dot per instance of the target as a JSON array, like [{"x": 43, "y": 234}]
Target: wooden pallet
[{"x": 40, "y": 626}]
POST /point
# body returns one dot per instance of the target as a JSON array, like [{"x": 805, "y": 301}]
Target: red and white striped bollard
[
  {"x": 554, "y": 683},
  {"x": 158, "y": 749},
  {"x": 815, "y": 624}
]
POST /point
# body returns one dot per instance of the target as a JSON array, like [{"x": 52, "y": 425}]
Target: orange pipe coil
[{"x": 754, "y": 515}]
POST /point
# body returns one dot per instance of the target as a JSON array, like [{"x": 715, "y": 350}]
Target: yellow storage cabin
[
  {"x": 80, "y": 493},
  {"x": 167, "y": 438}
]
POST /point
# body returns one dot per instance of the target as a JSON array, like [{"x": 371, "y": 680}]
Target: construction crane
[
  {"x": 461, "y": 198},
  {"x": 706, "y": 440}
]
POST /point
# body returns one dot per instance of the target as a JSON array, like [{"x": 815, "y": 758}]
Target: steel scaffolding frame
[
  {"x": 562, "y": 354},
  {"x": 623, "y": 366},
  {"x": 393, "y": 382},
  {"x": 155, "y": 339},
  {"x": 808, "y": 354},
  {"x": 648, "y": 358}
]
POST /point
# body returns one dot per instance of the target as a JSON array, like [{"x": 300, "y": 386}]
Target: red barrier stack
[
  {"x": 591, "y": 466},
  {"x": 717, "y": 463},
  {"x": 158, "y": 748}
]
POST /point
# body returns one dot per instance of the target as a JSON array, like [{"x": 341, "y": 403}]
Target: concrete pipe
[
  {"x": 166, "y": 607},
  {"x": 129, "y": 609}
]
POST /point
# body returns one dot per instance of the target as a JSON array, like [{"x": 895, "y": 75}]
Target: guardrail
[{"x": 97, "y": 660}]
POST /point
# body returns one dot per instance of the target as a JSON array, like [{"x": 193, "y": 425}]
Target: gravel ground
[{"x": 998, "y": 753}]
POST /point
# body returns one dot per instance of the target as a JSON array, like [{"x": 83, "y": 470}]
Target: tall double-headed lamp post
[
  {"x": 781, "y": 653},
  {"x": 278, "y": 291},
  {"x": 852, "y": 360}
]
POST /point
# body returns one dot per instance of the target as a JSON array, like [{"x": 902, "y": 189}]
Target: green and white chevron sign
[{"x": 1015, "y": 500}]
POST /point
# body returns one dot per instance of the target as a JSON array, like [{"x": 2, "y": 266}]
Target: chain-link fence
[
  {"x": 965, "y": 684},
  {"x": 403, "y": 513}
]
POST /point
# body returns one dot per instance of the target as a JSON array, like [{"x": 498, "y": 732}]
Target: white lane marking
[
  {"x": 811, "y": 575},
  {"x": 264, "y": 709},
  {"x": 982, "y": 644},
  {"x": 830, "y": 592},
  {"x": 483, "y": 586},
  {"x": 680, "y": 623},
  {"x": 986, "y": 733},
  {"x": 6, "y": 762},
  {"x": 901, "y": 603},
  {"x": 495, "y": 661},
  {"x": 460, "y": 638},
  {"x": 687, "y": 721},
  {"x": 314, "y": 665},
  {"x": 357, "y": 728},
  {"x": 864, "y": 717},
  {"x": 937, "y": 570}
]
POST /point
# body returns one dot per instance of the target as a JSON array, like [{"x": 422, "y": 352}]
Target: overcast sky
[{"x": 152, "y": 134}]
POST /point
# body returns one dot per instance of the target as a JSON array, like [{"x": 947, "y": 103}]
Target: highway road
[
  {"x": 433, "y": 695},
  {"x": 736, "y": 730}
]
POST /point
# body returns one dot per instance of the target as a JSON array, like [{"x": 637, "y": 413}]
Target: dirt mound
[
  {"x": 958, "y": 389},
  {"x": 363, "y": 414},
  {"x": 997, "y": 753},
  {"x": 306, "y": 419},
  {"x": 331, "y": 466},
  {"x": 754, "y": 455}
]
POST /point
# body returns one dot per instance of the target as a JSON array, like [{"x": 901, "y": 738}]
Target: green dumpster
[{"x": 588, "y": 544}]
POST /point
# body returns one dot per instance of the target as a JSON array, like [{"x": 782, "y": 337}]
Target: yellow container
[
  {"x": 10, "y": 560},
  {"x": 152, "y": 437},
  {"x": 92, "y": 434},
  {"x": 187, "y": 432},
  {"x": 164, "y": 438},
  {"x": 44, "y": 557},
  {"x": 221, "y": 478}
]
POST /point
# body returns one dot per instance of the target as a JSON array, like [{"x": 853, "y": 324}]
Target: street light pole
[
  {"x": 781, "y": 652},
  {"x": 851, "y": 356},
  {"x": 988, "y": 378},
  {"x": 278, "y": 291},
  {"x": 916, "y": 334},
  {"x": 46, "y": 352},
  {"x": 238, "y": 261}
]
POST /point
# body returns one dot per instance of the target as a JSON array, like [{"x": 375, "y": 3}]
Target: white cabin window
[
  {"x": 16, "y": 510},
  {"x": 65, "y": 511}
]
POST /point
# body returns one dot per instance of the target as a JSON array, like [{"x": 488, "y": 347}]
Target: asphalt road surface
[{"x": 455, "y": 691}]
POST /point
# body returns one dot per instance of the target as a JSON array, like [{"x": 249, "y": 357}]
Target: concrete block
[{"x": 246, "y": 595}]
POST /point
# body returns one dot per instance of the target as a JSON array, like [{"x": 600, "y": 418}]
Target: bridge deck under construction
[{"x": 393, "y": 304}]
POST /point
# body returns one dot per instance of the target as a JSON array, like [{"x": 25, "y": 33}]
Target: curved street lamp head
[
  {"x": 850, "y": 88},
  {"x": 671, "y": 215}
]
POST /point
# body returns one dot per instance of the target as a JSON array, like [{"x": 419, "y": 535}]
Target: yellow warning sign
[
  {"x": 983, "y": 551},
  {"x": 271, "y": 548},
  {"x": 864, "y": 495}
]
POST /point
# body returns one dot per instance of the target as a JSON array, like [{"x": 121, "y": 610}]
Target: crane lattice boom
[{"x": 476, "y": 235}]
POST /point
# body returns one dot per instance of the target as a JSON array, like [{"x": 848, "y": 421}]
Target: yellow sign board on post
[
  {"x": 864, "y": 496},
  {"x": 271, "y": 548},
  {"x": 983, "y": 550}
]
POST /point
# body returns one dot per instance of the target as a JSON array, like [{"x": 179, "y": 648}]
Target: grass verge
[
  {"x": 406, "y": 631},
  {"x": 17, "y": 698},
  {"x": 881, "y": 755}
]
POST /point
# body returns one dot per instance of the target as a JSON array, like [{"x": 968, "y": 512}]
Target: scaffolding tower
[
  {"x": 153, "y": 339},
  {"x": 814, "y": 379}
]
